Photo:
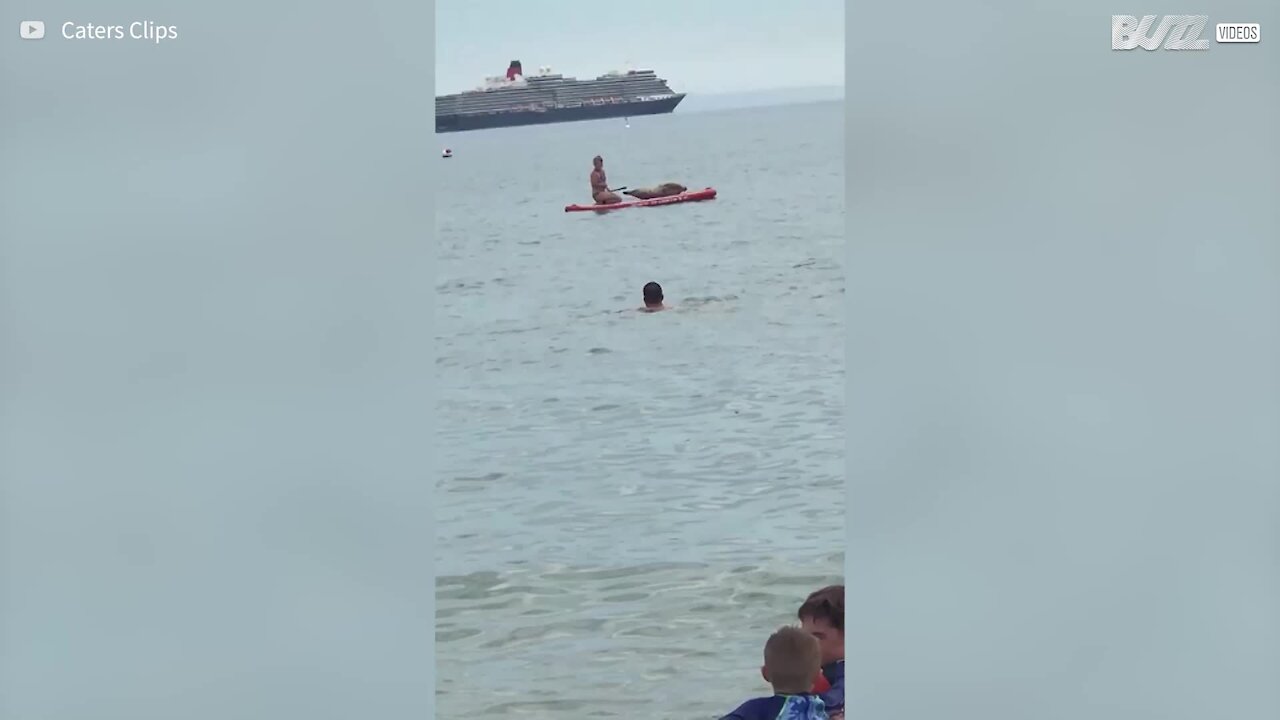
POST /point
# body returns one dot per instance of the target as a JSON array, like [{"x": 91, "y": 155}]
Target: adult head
[
  {"x": 822, "y": 616},
  {"x": 652, "y": 294}
]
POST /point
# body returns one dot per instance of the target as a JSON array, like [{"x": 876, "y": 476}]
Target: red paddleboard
[{"x": 684, "y": 197}]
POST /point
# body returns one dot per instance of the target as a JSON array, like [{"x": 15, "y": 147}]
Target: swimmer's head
[
  {"x": 597, "y": 161},
  {"x": 652, "y": 294},
  {"x": 791, "y": 660}
]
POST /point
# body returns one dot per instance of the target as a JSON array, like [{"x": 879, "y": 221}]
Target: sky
[{"x": 702, "y": 46}]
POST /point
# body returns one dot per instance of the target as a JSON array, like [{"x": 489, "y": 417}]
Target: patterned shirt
[{"x": 781, "y": 707}]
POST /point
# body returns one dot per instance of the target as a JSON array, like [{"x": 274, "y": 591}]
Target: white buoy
[{"x": 447, "y": 153}]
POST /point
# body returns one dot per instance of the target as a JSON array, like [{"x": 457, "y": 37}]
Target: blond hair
[{"x": 792, "y": 660}]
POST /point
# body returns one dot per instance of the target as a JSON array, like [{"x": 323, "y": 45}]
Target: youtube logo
[{"x": 31, "y": 29}]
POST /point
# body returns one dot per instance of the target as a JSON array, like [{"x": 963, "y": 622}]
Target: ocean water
[{"x": 630, "y": 503}]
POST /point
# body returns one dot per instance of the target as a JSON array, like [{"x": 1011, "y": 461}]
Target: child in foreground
[{"x": 792, "y": 658}]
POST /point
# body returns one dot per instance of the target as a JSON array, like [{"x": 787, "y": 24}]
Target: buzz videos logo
[{"x": 1175, "y": 32}]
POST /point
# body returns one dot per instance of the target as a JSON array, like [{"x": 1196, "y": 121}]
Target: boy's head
[
  {"x": 822, "y": 615},
  {"x": 791, "y": 660}
]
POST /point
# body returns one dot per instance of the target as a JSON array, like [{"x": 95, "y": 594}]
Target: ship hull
[{"x": 483, "y": 121}]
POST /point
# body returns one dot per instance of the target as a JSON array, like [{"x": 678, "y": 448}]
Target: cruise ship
[{"x": 547, "y": 97}]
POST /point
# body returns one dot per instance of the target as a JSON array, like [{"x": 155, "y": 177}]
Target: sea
[{"x": 630, "y": 503}]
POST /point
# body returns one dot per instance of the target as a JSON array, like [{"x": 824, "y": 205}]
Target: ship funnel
[{"x": 514, "y": 69}]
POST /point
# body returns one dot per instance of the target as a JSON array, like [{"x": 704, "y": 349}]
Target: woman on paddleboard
[{"x": 600, "y": 184}]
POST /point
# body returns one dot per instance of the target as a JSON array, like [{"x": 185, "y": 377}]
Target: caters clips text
[{"x": 140, "y": 30}]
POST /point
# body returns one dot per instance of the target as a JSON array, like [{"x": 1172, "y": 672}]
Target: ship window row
[
  {"x": 612, "y": 92},
  {"x": 563, "y": 96},
  {"x": 481, "y": 102},
  {"x": 493, "y": 107},
  {"x": 490, "y": 107},
  {"x": 595, "y": 88},
  {"x": 619, "y": 91}
]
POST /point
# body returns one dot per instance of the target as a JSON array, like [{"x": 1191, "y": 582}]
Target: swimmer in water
[{"x": 653, "y": 298}]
